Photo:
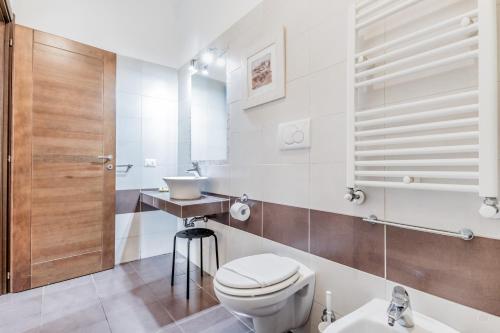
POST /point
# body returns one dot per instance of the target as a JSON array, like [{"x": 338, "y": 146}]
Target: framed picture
[{"x": 264, "y": 68}]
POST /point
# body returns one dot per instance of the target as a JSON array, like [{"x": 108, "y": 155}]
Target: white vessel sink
[
  {"x": 372, "y": 318},
  {"x": 184, "y": 188}
]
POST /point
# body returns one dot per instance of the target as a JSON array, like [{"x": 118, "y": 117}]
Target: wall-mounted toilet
[{"x": 276, "y": 292}]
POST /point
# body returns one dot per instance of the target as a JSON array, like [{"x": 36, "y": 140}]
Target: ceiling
[{"x": 166, "y": 32}]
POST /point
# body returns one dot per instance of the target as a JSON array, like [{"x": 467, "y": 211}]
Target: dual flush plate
[{"x": 294, "y": 135}]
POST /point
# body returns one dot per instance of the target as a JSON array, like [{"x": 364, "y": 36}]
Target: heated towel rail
[{"x": 446, "y": 142}]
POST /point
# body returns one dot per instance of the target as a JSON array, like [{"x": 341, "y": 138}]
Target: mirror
[{"x": 209, "y": 114}]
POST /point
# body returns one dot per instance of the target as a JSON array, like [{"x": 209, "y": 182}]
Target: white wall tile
[
  {"x": 246, "y": 148},
  {"x": 128, "y": 105},
  {"x": 156, "y": 222},
  {"x": 350, "y": 288},
  {"x": 297, "y": 56},
  {"x": 328, "y": 138},
  {"x": 247, "y": 179},
  {"x": 127, "y": 249},
  {"x": 286, "y": 184},
  {"x": 328, "y": 43},
  {"x": 128, "y": 130},
  {"x": 329, "y": 91},
  {"x": 156, "y": 244},
  {"x": 234, "y": 86},
  {"x": 127, "y": 225}
]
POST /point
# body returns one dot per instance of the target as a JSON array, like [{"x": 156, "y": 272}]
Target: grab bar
[{"x": 465, "y": 234}]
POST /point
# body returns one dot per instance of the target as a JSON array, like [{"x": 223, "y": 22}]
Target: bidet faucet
[
  {"x": 400, "y": 309},
  {"x": 195, "y": 170}
]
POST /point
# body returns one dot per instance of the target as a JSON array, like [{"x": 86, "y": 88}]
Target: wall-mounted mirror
[{"x": 209, "y": 114}]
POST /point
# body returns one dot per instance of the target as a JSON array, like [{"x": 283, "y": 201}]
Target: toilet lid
[
  {"x": 239, "y": 292},
  {"x": 257, "y": 271}
]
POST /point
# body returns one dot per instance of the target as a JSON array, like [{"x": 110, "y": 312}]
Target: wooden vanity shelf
[{"x": 206, "y": 205}]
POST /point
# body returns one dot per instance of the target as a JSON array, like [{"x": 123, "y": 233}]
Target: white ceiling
[{"x": 166, "y": 32}]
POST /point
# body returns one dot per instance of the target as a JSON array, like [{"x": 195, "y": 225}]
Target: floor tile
[
  {"x": 118, "y": 285},
  {"x": 20, "y": 308},
  {"x": 215, "y": 320},
  {"x": 172, "y": 328},
  {"x": 149, "y": 318},
  {"x": 16, "y": 297},
  {"x": 179, "y": 307},
  {"x": 67, "y": 284},
  {"x": 29, "y": 324},
  {"x": 206, "y": 283},
  {"x": 116, "y": 272},
  {"x": 245, "y": 320},
  {"x": 136, "y": 297},
  {"x": 70, "y": 300},
  {"x": 162, "y": 288},
  {"x": 156, "y": 268},
  {"x": 78, "y": 320}
]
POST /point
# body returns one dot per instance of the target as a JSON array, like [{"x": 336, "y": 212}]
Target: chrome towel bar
[
  {"x": 465, "y": 234},
  {"x": 127, "y": 166}
]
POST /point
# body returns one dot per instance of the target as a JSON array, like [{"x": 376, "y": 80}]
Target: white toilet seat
[
  {"x": 257, "y": 271},
  {"x": 247, "y": 292}
]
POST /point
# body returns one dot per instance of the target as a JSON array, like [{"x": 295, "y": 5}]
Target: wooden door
[
  {"x": 63, "y": 189},
  {"x": 6, "y": 28}
]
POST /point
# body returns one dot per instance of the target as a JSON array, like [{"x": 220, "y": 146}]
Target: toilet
[{"x": 276, "y": 292}]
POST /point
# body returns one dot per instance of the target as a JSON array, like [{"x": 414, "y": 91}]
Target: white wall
[
  {"x": 316, "y": 178},
  {"x": 146, "y": 122},
  {"x": 166, "y": 32},
  {"x": 146, "y": 127}
]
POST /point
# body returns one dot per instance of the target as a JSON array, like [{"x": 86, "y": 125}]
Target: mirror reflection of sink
[
  {"x": 372, "y": 318},
  {"x": 185, "y": 188}
]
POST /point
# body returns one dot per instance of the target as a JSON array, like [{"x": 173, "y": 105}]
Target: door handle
[{"x": 106, "y": 158}]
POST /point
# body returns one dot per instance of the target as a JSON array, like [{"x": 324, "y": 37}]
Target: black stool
[{"x": 191, "y": 234}]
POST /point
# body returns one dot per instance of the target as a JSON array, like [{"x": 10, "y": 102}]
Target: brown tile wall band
[
  {"x": 129, "y": 201},
  {"x": 465, "y": 272}
]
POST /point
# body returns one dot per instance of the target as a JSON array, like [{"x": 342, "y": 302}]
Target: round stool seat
[{"x": 195, "y": 233}]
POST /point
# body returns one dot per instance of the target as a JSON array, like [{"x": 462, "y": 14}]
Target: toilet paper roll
[{"x": 240, "y": 211}]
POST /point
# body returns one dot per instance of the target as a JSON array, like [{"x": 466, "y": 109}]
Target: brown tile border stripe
[
  {"x": 348, "y": 240},
  {"x": 464, "y": 272},
  {"x": 286, "y": 225},
  {"x": 128, "y": 201}
]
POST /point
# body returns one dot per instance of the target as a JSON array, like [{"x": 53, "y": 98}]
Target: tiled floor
[{"x": 134, "y": 297}]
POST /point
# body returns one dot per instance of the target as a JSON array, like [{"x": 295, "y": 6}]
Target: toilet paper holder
[
  {"x": 240, "y": 210},
  {"x": 243, "y": 198}
]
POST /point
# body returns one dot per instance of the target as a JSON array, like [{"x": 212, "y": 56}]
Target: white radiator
[{"x": 446, "y": 142}]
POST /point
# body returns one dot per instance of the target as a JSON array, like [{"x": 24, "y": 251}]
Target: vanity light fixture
[
  {"x": 204, "y": 71},
  {"x": 193, "y": 67}
]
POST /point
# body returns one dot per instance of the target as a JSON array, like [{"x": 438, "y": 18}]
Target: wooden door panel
[
  {"x": 69, "y": 45},
  {"x": 66, "y": 268},
  {"x": 20, "y": 186},
  {"x": 72, "y": 193}
]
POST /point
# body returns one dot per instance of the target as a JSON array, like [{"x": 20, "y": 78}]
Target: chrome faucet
[
  {"x": 195, "y": 170},
  {"x": 400, "y": 310}
]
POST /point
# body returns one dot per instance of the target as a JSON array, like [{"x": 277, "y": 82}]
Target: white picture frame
[{"x": 264, "y": 71}]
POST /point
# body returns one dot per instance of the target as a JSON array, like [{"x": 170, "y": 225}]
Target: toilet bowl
[{"x": 276, "y": 292}]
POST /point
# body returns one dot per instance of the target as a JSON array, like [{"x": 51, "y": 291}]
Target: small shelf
[{"x": 206, "y": 205}]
